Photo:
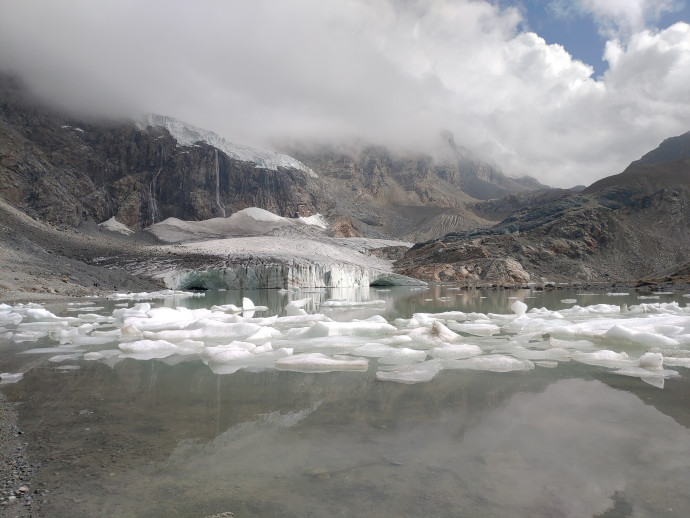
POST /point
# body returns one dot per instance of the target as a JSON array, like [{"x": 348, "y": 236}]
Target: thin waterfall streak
[{"x": 220, "y": 206}]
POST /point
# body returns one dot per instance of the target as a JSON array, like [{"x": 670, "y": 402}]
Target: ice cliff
[{"x": 254, "y": 248}]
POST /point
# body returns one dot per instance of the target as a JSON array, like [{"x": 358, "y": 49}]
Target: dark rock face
[
  {"x": 66, "y": 172},
  {"x": 624, "y": 228}
]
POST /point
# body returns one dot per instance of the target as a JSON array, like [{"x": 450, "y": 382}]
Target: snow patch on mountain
[
  {"x": 115, "y": 226},
  {"x": 188, "y": 135}
]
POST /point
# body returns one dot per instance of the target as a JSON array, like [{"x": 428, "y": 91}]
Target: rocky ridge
[{"x": 621, "y": 229}]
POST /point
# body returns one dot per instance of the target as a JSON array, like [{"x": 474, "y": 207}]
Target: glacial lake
[{"x": 574, "y": 405}]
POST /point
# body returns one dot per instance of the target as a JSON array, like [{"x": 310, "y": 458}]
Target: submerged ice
[{"x": 642, "y": 341}]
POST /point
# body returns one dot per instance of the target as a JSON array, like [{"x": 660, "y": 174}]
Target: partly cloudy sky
[{"x": 567, "y": 91}]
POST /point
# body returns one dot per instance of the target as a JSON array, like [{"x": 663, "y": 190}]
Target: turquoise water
[{"x": 168, "y": 437}]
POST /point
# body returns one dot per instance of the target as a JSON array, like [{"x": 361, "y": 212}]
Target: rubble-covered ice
[{"x": 643, "y": 342}]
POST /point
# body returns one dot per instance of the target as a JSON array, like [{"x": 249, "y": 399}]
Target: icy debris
[{"x": 568, "y": 301}]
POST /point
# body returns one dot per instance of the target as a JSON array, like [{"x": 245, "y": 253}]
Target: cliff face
[
  {"x": 66, "y": 172},
  {"x": 625, "y": 227}
]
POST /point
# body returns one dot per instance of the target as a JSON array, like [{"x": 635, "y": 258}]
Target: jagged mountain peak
[{"x": 187, "y": 135}]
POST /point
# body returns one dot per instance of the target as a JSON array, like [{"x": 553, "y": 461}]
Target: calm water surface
[{"x": 162, "y": 438}]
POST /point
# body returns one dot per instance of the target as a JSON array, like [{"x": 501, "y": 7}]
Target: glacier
[
  {"x": 255, "y": 248},
  {"x": 188, "y": 135}
]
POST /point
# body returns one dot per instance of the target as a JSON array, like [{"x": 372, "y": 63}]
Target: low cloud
[{"x": 390, "y": 71}]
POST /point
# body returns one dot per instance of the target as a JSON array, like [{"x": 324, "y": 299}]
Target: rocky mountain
[
  {"x": 624, "y": 228},
  {"x": 409, "y": 196},
  {"x": 65, "y": 171}
]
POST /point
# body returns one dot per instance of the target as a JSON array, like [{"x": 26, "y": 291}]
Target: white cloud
[
  {"x": 622, "y": 18},
  {"x": 392, "y": 71}
]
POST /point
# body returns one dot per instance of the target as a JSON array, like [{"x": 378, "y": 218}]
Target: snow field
[{"x": 640, "y": 341}]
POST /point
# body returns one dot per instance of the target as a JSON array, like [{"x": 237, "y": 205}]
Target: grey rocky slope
[
  {"x": 623, "y": 228},
  {"x": 407, "y": 195}
]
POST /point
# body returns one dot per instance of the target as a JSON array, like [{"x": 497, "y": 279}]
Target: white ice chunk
[
  {"x": 519, "y": 308},
  {"x": 228, "y": 353},
  {"x": 149, "y": 349},
  {"x": 455, "y": 351},
  {"x": 374, "y": 350},
  {"x": 321, "y": 329},
  {"x": 568, "y": 301},
  {"x": 621, "y": 333},
  {"x": 402, "y": 356},
  {"x": 230, "y": 308},
  {"x": 672, "y": 361},
  {"x": 317, "y": 362},
  {"x": 651, "y": 361},
  {"x": 296, "y": 307},
  {"x": 9, "y": 318},
  {"x": 265, "y": 334},
  {"x": 603, "y": 358},
  {"x": 475, "y": 329}
]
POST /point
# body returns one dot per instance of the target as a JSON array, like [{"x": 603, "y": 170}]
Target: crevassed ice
[{"x": 644, "y": 342}]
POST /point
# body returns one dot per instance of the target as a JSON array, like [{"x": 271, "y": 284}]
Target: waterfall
[
  {"x": 220, "y": 206},
  {"x": 153, "y": 204}
]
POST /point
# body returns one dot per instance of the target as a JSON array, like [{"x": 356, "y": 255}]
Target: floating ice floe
[{"x": 642, "y": 342}]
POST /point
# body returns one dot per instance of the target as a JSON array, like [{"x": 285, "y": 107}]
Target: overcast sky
[{"x": 568, "y": 91}]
